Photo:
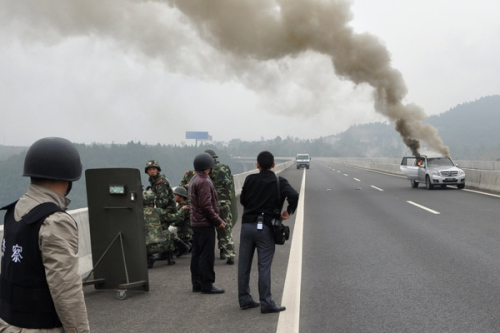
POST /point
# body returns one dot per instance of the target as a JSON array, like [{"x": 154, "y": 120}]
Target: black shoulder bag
[{"x": 281, "y": 232}]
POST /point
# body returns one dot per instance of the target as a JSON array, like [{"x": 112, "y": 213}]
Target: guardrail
[
  {"x": 81, "y": 217},
  {"x": 480, "y": 175}
]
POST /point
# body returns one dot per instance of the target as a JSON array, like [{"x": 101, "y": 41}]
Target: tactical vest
[{"x": 25, "y": 299}]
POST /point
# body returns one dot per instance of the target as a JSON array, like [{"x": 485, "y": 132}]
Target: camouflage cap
[
  {"x": 179, "y": 190},
  {"x": 212, "y": 153},
  {"x": 152, "y": 164}
]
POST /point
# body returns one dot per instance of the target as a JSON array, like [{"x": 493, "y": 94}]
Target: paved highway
[
  {"x": 376, "y": 256},
  {"x": 380, "y": 256}
]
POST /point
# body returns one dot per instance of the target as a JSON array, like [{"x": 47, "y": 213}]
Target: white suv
[{"x": 432, "y": 171}]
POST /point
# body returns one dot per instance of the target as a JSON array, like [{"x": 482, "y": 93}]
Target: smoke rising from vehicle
[
  {"x": 268, "y": 30},
  {"x": 245, "y": 36}
]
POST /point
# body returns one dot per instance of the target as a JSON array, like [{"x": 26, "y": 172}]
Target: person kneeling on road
[{"x": 158, "y": 240}]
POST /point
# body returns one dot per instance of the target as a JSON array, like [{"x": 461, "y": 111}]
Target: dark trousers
[
  {"x": 203, "y": 258},
  {"x": 251, "y": 238}
]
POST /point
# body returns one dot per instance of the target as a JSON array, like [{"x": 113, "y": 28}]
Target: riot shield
[{"x": 116, "y": 223}]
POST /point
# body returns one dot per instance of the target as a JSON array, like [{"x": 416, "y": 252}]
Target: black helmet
[
  {"x": 152, "y": 164},
  {"x": 203, "y": 161},
  {"x": 212, "y": 153},
  {"x": 53, "y": 158},
  {"x": 179, "y": 190}
]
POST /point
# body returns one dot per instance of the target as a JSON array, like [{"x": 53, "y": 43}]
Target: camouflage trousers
[
  {"x": 225, "y": 235},
  {"x": 165, "y": 245},
  {"x": 185, "y": 233}
]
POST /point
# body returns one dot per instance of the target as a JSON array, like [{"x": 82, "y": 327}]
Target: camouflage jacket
[
  {"x": 180, "y": 218},
  {"x": 187, "y": 178},
  {"x": 223, "y": 180},
  {"x": 163, "y": 192},
  {"x": 153, "y": 225}
]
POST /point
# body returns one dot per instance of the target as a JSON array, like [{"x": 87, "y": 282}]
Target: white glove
[{"x": 172, "y": 229}]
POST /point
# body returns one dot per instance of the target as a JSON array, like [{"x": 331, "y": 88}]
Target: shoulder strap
[
  {"x": 279, "y": 190},
  {"x": 9, "y": 206},
  {"x": 42, "y": 211}
]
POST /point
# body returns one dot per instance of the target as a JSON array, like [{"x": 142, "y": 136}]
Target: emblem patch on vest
[{"x": 16, "y": 253}]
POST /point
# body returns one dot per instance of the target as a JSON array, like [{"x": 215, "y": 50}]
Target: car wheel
[
  {"x": 414, "y": 184},
  {"x": 428, "y": 184},
  {"x": 461, "y": 186}
]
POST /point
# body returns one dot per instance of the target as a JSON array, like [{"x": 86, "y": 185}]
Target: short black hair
[{"x": 265, "y": 160}]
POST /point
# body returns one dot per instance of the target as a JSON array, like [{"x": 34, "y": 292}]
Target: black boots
[
  {"x": 182, "y": 248},
  {"x": 170, "y": 259},
  {"x": 151, "y": 261},
  {"x": 222, "y": 255}
]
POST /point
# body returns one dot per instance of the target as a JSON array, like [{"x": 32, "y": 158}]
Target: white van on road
[{"x": 303, "y": 160}]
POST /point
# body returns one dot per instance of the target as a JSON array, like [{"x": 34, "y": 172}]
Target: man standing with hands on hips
[
  {"x": 261, "y": 199},
  {"x": 204, "y": 211}
]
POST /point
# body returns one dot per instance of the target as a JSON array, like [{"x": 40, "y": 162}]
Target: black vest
[{"x": 25, "y": 299}]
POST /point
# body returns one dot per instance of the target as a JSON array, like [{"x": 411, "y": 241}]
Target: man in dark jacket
[
  {"x": 204, "y": 211},
  {"x": 259, "y": 197}
]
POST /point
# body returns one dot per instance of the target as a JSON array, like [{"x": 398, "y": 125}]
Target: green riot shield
[{"x": 117, "y": 230}]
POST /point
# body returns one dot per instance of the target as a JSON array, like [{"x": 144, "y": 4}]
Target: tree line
[{"x": 174, "y": 160}]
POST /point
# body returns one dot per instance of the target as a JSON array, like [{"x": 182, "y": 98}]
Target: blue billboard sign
[{"x": 197, "y": 135}]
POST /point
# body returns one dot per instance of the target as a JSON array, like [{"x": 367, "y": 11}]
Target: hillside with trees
[{"x": 469, "y": 129}]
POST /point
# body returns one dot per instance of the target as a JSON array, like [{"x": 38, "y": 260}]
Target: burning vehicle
[{"x": 432, "y": 171}]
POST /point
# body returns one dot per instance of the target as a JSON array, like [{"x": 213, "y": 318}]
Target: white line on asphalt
[
  {"x": 376, "y": 171},
  {"x": 289, "y": 320},
  {"x": 377, "y": 188},
  {"x": 479, "y": 192},
  {"x": 345, "y": 174},
  {"x": 423, "y": 207},
  {"x": 356, "y": 179}
]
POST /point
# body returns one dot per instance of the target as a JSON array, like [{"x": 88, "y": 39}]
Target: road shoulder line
[{"x": 289, "y": 320}]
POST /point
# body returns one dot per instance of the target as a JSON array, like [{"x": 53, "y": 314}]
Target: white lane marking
[
  {"x": 423, "y": 207},
  {"x": 356, "y": 179},
  {"x": 345, "y": 174},
  {"x": 479, "y": 192},
  {"x": 289, "y": 320},
  {"x": 377, "y": 188},
  {"x": 376, "y": 171}
]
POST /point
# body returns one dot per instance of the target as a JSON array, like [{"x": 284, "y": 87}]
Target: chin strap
[{"x": 70, "y": 186}]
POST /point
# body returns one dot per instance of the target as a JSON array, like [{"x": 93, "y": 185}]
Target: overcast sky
[{"x": 145, "y": 73}]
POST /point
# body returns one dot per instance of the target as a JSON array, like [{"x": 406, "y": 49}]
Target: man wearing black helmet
[
  {"x": 41, "y": 289},
  {"x": 204, "y": 212}
]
